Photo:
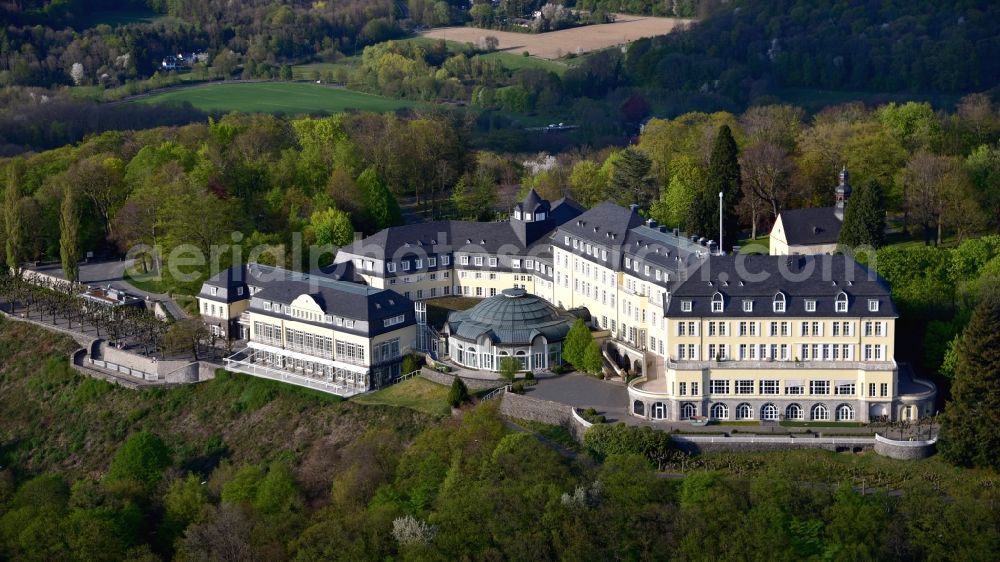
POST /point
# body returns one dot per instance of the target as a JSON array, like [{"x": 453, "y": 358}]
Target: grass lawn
[
  {"x": 438, "y": 309},
  {"x": 512, "y": 61},
  {"x": 760, "y": 244},
  {"x": 416, "y": 393},
  {"x": 276, "y": 97},
  {"x": 164, "y": 284}
]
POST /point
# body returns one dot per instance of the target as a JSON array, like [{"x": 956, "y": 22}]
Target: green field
[
  {"x": 415, "y": 393},
  {"x": 275, "y": 97},
  {"x": 512, "y": 61}
]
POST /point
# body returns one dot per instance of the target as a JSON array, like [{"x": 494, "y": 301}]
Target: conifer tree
[
  {"x": 69, "y": 235},
  {"x": 631, "y": 181},
  {"x": 458, "y": 393},
  {"x": 380, "y": 204},
  {"x": 970, "y": 430},
  {"x": 724, "y": 177},
  {"x": 592, "y": 360},
  {"x": 12, "y": 215},
  {"x": 576, "y": 342},
  {"x": 864, "y": 217}
]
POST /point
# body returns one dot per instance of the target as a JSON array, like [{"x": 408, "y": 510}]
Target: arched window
[
  {"x": 717, "y": 302},
  {"x": 842, "y": 302},
  {"x": 688, "y": 411},
  {"x": 779, "y": 302},
  {"x": 744, "y": 412},
  {"x": 819, "y": 413},
  {"x": 659, "y": 411},
  {"x": 720, "y": 411},
  {"x": 793, "y": 412},
  {"x": 769, "y": 412},
  {"x": 845, "y": 413},
  {"x": 638, "y": 408}
]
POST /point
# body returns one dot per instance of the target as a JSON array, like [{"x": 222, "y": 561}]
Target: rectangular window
[
  {"x": 819, "y": 387},
  {"x": 215, "y": 291},
  {"x": 463, "y": 260},
  {"x": 694, "y": 389},
  {"x": 794, "y": 387},
  {"x": 774, "y": 329},
  {"x": 529, "y": 264},
  {"x": 743, "y": 328},
  {"x": 784, "y": 328},
  {"x": 718, "y": 386},
  {"x": 493, "y": 262},
  {"x": 445, "y": 260},
  {"x": 683, "y": 389},
  {"x": 779, "y": 306},
  {"x": 836, "y": 329},
  {"x": 478, "y": 260},
  {"x": 744, "y": 387},
  {"x": 390, "y": 267},
  {"x": 685, "y": 306},
  {"x": 747, "y": 306},
  {"x": 769, "y": 387},
  {"x": 805, "y": 329},
  {"x": 844, "y": 389},
  {"x": 406, "y": 265},
  {"x": 810, "y": 306},
  {"x": 432, "y": 262},
  {"x": 872, "y": 305},
  {"x": 884, "y": 389},
  {"x": 841, "y": 306},
  {"x": 871, "y": 389},
  {"x": 815, "y": 329},
  {"x": 716, "y": 306}
]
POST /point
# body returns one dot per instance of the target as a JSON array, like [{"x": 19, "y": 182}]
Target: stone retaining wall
[
  {"x": 904, "y": 450},
  {"x": 446, "y": 379},
  {"x": 534, "y": 409},
  {"x": 705, "y": 444}
]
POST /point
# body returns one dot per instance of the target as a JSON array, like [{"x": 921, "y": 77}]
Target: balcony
[{"x": 736, "y": 364}]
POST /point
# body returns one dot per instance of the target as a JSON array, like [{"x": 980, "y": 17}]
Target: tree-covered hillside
[{"x": 239, "y": 469}]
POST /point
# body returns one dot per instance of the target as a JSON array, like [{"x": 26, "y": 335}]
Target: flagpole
[{"x": 720, "y": 224}]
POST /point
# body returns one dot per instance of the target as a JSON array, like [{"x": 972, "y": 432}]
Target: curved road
[{"x": 112, "y": 273}]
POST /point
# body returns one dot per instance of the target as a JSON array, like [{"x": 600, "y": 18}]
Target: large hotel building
[{"x": 733, "y": 337}]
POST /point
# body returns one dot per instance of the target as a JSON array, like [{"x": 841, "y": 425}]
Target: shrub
[
  {"x": 517, "y": 388},
  {"x": 141, "y": 459},
  {"x": 604, "y": 440},
  {"x": 410, "y": 363},
  {"x": 509, "y": 368},
  {"x": 459, "y": 393}
]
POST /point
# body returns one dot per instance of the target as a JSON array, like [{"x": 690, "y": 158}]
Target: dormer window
[
  {"x": 215, "y": 291},
  {"x": 747, "y": 306},
  {"x": 872, "y": 305},
  {"x": 432, "y": 262},
  {"x": 239, "y": 291},
  {"x": 479, "y": 260},
  {"x": 685, "y": 306},
  {"x": 418, "y": 263},
  {"x": 779, "y": 302},
  {"x": 406, "y": 265},
  {"x": 842, "y": 302},
  {"x": 390, "y": 267},
  {"x": 517, "y": 214},
  {"x": 493, "y": 262},
  {"x": 539, "y": 216},
  {"x": 515, "y": 263},
  {"x": 717, "y": 302},
  {"x": 810, "y": 305}
]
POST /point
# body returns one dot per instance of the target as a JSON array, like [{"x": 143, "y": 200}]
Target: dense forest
[
  {"x": 244, "y": 469},
  {"x": 755, "y": 49}
]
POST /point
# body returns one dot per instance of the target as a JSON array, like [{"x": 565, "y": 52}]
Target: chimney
[
  {"x": 702, "y": 240},
  {"x": 651, "y": 223},
  {"x": 634, "y": 208},
  {"x": 677, "y": 232}
]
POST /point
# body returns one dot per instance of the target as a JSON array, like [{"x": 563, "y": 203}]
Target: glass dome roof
[{"x": 514, "y": 308}]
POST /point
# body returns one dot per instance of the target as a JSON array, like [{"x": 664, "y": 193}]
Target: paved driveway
[
  {"x": 103, "y": 273},
  {"x": 582, "y": 391}
]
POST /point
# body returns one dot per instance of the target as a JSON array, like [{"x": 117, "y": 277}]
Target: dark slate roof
[
  {"x": 606, "y": 224},
  {"x": 445, "y": 237},
  {"x": 512, "y": 317},
  {"x": 533, "y": 202},
  {"x": 335, "y": 296},
  {"x": 759, "y": 278},
  {"x": 811, "y": 226}
]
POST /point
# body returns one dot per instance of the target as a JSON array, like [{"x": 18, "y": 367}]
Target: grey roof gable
[
  {"x": 758, "y": 279},
  {"x": 805, "y": 227}
]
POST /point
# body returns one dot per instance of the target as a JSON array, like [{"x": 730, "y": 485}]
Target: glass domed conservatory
[{"x": 512, "y": 324}]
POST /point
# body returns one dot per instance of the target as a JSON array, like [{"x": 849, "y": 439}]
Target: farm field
[
  {"x": 275, "y": 97},
  {"x": 555, "y": 44}
]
